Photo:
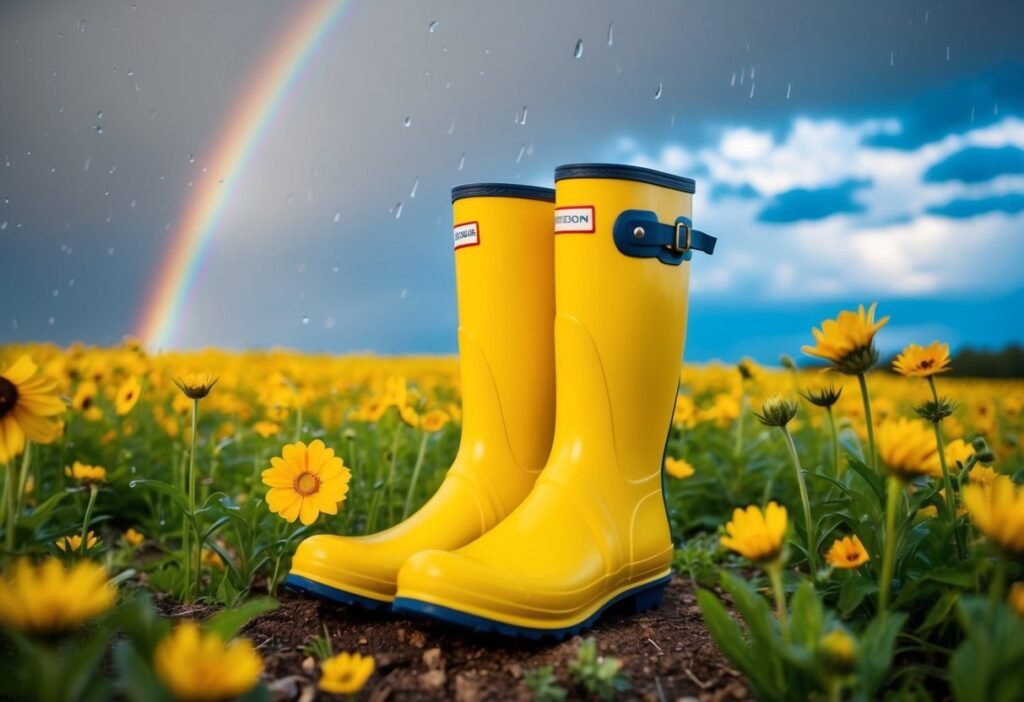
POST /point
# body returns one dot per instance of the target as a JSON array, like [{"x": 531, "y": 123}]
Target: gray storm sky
[{"x": 85, "y": 214}]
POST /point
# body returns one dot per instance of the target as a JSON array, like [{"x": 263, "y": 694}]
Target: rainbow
[{"x": 234, "y": 145}]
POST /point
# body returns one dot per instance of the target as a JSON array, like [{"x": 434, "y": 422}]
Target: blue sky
[{"x": 842, "y": 154}]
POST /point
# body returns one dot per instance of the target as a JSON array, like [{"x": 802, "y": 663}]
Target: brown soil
[{"x": 667, "y": 653}]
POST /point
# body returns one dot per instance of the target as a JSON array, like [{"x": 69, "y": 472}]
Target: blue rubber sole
[
  {"x": 305, "y": 586},
  {"x": 635, "y": 601}
]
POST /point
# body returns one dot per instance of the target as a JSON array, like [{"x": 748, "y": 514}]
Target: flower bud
[{"x": 777, "y": 411}]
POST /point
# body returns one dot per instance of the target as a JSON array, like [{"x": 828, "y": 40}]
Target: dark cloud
[
  {"x": 966, "y": 208},
  {"x": 745, "y": 191},
  {"x": 977, "y": 165},
  {"x": 804, "y": 204}
]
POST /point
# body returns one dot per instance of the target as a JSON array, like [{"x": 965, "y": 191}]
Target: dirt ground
[{"x": 667, "y": 653}]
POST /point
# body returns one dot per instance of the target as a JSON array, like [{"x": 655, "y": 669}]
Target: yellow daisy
[
  {"x": 305, "y": 481},
  {"x": 848, "y": 341},
  {"x": 678, "y": 468},
  {"x": 922, "y": 361},
  {"x": 434, "y": 420},
  {"x": 85, "y": 473},
  {"x": 345, "y": 673},
  {"x": 757, "y": 535},
  {"x": 907, "y": 447},
  {"x": 997, "y": 511},
  {"x": 127, "y": 396},
  {"x": 199, "y": 666},
  {"x": 847, "y": 552},
  {"x": 50, "y": 598},
  {"x": 196, "y": 386},
  {"x": 28, "y": 400}
]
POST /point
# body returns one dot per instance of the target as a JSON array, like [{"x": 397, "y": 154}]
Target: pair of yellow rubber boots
[{"x": 551, "y": 512}]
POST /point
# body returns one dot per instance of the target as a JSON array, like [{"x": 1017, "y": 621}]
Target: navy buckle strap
[{"x": 638, "y": 233}]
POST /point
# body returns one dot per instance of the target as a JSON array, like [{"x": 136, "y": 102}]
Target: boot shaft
[{"x": 504, "y": 270}]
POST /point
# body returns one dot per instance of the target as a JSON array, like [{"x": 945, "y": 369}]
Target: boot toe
[{"x": 347, "y": 565}]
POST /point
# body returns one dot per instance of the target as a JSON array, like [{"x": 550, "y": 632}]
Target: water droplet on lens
[
  {"x": 305, "y": 320},
  {"x": 99, "y": 129},
  {"x": 133, "y": 483},
  {"x": 462, "y": 161},
  {"x": 433, "y": 26},
  {"x": 191, "y": 157},
  {"x": 99, "y": 115},
  {"x": 522, "y": 150},
  {"x": 611, "y": 34},
  {"x": 789, "y": 90},
  {"x": 578, "y": 51},
  {"x": 657, "y": 93},
  {"x": 523, "y": 120},
  {"x": 407, "y": 121},
  {"x": 398, "y": 211},
  {"x": 415, "y": 187}
]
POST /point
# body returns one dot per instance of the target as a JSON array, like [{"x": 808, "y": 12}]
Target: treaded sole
[
  {"x": 305, "y": 586},
  {"x": 640, "y": 599}
]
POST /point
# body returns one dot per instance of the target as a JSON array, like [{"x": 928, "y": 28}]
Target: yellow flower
[
  {"x": 345, "y": 673},
  {"x": 50, "y": 598},
  {"x": 847, "y": 552},
  {"x": 127, "y": 396},
  {"x": 266, "y": 429},
  {"x": 757, "y": 535},
  {"x": 839, "y": 650},
  {"x": 434, "y": 420},
  {"x": 409, "y": 415},
  {"x": 922, "y": 361},
  {"x": 211, "y": 558},
  {"x": 847, "y": 342},
  {"x": 908, "y": 448},
  {"x": 958, "y": 451},
  {"x": 85, "y": 473},
  {"x": 723, "y": 411},
  {"x": 27, "y": 401},
  {"x": 74, "y": 542},
  {"x": 134, "y": 538},
  {"x": 678, "y": 467},
  {"x": 199, "y": 666},
  {"x": 980, "y": 475},
  {"x": 85, "y": 396},
  {"x": 685, "y": 414},
  {"x": 305, "y": 482},
  {"x": 396, "y": 393},
  {"x": 997, "y": 511},
  {"x": 196, "y": 386},
  {"x": 1016, "y": 598}
]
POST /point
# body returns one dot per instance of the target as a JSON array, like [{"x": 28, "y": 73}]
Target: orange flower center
[
  {"x": 927, "y": 363},
  {"x": 307, "y": 484},
  {"x": 8, "y": 395}
]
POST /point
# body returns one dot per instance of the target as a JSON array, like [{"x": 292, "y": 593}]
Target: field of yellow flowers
[{"x": 856, "y": 533}]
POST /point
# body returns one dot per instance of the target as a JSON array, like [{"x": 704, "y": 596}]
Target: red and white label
[
  {"x": 466, "y": 234},
  {"x": 578, "y": 219}
]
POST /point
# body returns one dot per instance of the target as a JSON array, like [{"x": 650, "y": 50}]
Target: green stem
[
  {"x": 872, "y": 453},
  {"x": 26, "y": 461},
  {"x": 190, "y": 494},
  {"x": 835, "y": 442},
  {"x": 812, "y": 552},
  {"x": 997, "y": 589},
  {"x": 94, "y": 490},
  {"x": 371, "y": 521},
  {"x": 946, "y": 482},
  {"x": 738, "y": 445},
  {"x": 894, "y": 487},
  {"x": 298, "y": 419},
  {"x": 775, "y": 574},
  {"x": 415, "y": 477},
  {"x": 11, "y": 508}
]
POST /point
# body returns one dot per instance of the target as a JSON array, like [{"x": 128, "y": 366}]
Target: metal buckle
[{"x": 674, "y": 247}]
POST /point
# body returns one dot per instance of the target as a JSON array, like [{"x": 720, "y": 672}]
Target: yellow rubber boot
[
  {"x": 504, "y": 260},
  {"x": 594, "y": 530}
]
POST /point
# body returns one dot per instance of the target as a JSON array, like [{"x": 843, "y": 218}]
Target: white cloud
[{"x": 893, "y": 248}]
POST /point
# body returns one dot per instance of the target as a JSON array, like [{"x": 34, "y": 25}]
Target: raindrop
[
  {"x": 753, "y": 72},
  {"x": 51, "y": 321},
  {"x": 743, "y": 75},
  {"x": 415, "y": 187},
  {"x": 110, "y": 251},
  {"x": 926, "y": 16},
  {"x": 113, "y": 169},
  {"x": 404, "y": 293},
  {"x": 972, "y": 113},
  {"x": 672, "y": 120},
  {"x": 523, "y": 120},
  {"x": 398, "y": 211},
  {"x": 305, "y": 320},
  {"x": 462, "y": 161},
  {"x": 433, "y": 26},
  {"x": 995, "y": 109},
  {"x": 191, "y": 157},
  {"x": 892, "y": 58},
  {"x": 451, "y": 128},
  {"x": 71, "y": 283},
  {"x": 657, "y": 93},
  {"x": 732, "y": 82},
  {"x": 99, "y": 115},
  {"x": 99, "y": 129},
  {"x": 88, "y": 160},
  {"x": 407, "y": 121},
  {"x": 3, "y": 225},
  {"x": 337, "y": 218},
  {"x": 611, "y": 34},
  {"x": 789, "y": 90},
  {"x": 947, "y": 52},
  {"x": 56, "y": 292},
  {"x": 335, "y": 268},
  {"x": 752, "y": 89},
  {"x": 578, "y": 51},
  {"x": 133, "y": 204},
  {"x": 522, "y": 150},
  {"x": 133, "y": 483},
  {"x": 131, "y": 72},
  {"x": 81, "y": 26}
]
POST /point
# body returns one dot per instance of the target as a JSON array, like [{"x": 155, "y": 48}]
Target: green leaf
[
  {"x": 136, "y": 680},
  {"x": 852, "y": 592},
  {"x": 875, "y": 653},
  {"x": 808, "y": 616},
  {"x": 176, "y": 494},
  {"x": 987, "y": 665},
  {"x": 230, "y": 621},
  {"x": 870, "y": 477}
]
